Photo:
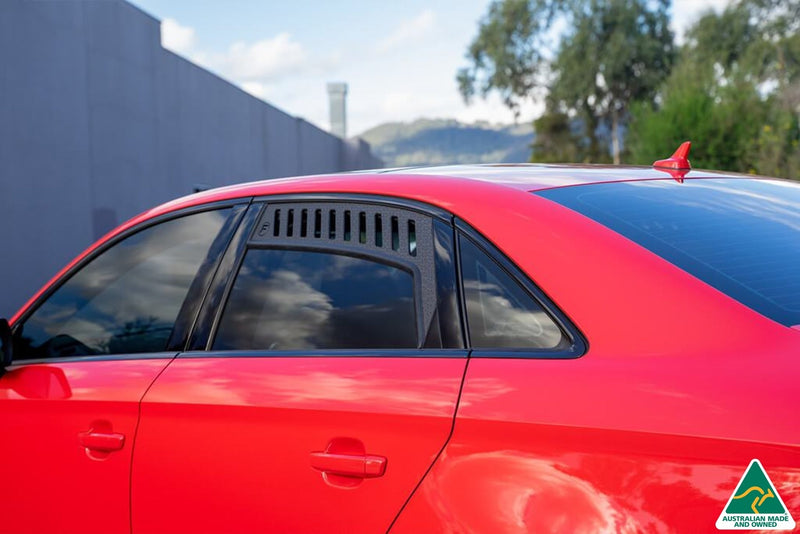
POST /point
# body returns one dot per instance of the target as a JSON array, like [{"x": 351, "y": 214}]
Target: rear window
[{"x": 741, "y": 236}]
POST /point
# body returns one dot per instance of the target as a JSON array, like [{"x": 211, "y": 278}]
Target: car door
[
  {"x": 84, "y": 354},
  {"x": 324, "y": 380}
]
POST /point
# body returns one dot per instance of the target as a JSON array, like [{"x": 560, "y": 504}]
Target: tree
[
  {"x": 735, "y": 93},
  {"x": 556, "y": 142},
  {"x": 618, "y": 51},
  {"x": 509, "y": 53},
  {"x": 722, "y": 122}
]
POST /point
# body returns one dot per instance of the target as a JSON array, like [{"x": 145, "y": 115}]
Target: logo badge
[{"x": 755, "y": 504}]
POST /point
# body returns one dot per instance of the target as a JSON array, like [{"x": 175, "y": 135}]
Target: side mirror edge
[{"x": 6, "y": 345}]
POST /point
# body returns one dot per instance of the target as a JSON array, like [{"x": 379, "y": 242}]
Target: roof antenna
[{"x": 678, "y": 164}]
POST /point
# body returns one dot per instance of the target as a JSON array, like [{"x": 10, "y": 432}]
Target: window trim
[
  {"x": 578, "y": 343},
  {"x": 102, "y": 248},
  {"x": 327, "y": 353}
]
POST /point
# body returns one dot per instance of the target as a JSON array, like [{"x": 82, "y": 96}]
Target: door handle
[
  {"x": 101, "y": 441},
  {"x": 352, "y": 465}
]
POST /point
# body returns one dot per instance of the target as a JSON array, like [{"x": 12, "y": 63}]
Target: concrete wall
[{"x": 98, "y": 123}]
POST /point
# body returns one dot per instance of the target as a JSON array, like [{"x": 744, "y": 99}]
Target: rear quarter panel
[{"x": 649, "y": 431}]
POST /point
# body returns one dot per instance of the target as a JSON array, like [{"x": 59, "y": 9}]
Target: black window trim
[
  {"x": 578, "y": 343},
  {"x": 164, "y": 217},
  {"x": 328, "y": 353}
]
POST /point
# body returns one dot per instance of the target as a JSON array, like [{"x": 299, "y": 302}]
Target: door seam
[
  {"x": 444, "y": 446},
  {"x": 135, "y": 434}
]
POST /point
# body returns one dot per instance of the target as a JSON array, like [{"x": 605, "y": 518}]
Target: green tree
[
  {"x": 509, "y": 53},
  {"x": 735, "y": 93},
  {"x": 723, "y": 123},
  {"x": 555, "y": 141},
  {"x": 618, "y": 51}
]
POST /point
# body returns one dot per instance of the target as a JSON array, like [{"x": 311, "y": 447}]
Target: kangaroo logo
[
  {"x": 755, "y": 504},
  {"x": 760, "y": 498}
]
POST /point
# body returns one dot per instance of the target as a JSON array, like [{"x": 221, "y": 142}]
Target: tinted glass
[
  {"x": 500, "y": 313},
  {"x": 127, "y": 299},
  {"x": 290, "y": 300},
  {"x": 741, "y": 236}
]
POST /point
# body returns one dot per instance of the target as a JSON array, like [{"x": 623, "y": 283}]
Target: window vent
[
  {"x": 398, "y": 235},
  {"x": 381, "y": 228}
]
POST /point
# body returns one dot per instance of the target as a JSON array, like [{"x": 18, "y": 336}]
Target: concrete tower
[{"x": 337, "y": 99}]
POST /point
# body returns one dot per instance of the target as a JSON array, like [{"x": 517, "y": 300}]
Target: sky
[{"x": 399, "y": 59}]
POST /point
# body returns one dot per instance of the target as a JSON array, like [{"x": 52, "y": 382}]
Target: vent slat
[
  {"x": 348, "y": 225},
  {"x": 362, "y": 228},
  {"x": 395, "y": 233},
  {"x": 304, "y": 223},
  {"x": 412, "y": 237},
  {"x": 317, "y": 223},
  {"x": 392, "y": 230},
  {"x": 378, "y": 230}
]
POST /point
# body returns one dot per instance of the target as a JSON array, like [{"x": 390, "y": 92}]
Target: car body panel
[
  {"x": 651, "y": 429},
  {"x": 648, "y": 430},
  {"x": 227, "y": 441},
  {"x": 47, "y": 474},
  {"x": 614, "y": 442}
]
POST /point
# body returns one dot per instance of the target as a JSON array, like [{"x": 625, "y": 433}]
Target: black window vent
[
  {"x": 399, "y": 236},
  {"x": 384, "y": 229}
]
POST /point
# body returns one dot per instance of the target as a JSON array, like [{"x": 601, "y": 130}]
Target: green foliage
[
  {"x": 508, "y": 53},
  {"x": 618, "y": 52},
  {"x": 556, "y": 142},
  {"x": 733, "y": 88},
  {"x": 735, "y": 94},
  {"x": 777, "y": 150}
]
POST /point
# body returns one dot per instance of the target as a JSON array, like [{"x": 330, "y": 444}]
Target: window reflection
[
  {"x": 127, "y": 299},
  {"x": 290, "y": 300},
  {"x": 500, "y": 313}
]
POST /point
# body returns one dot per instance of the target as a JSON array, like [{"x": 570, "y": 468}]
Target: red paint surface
[
  {"x": 51, "y": 483},
  {"x": 650, "y": 430},
  {"x": 225, "y": 445}
]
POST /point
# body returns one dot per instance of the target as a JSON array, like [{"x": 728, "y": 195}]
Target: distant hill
[{"x": 443, "y": 141}]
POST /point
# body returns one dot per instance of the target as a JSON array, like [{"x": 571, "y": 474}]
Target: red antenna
[{"x": 678, "y": 164}]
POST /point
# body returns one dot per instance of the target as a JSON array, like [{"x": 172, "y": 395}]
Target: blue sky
[{"x": 398, "y": 58}]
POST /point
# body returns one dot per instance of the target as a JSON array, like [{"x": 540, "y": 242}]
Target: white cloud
[
  {"x": 686, "y": 12},
  {"x": 408, "y": 32},
  {"x": 177, "y": 38},
  {"x": 257, "y": 89},
  {"x": 258, "y": 68},
  {"x": 267, "y": 58}
]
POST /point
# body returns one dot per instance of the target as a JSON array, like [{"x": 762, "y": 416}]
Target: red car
[{"x": 498, "y": 349}]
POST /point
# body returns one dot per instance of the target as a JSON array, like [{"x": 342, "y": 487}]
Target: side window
[
  {"x": 126, "y": 300},
  {"x": 500, "y": 313},
  {"x": 303, "y": 300}
]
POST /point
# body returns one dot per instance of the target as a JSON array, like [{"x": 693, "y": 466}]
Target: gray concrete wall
[{"x": 98, "y": 123}]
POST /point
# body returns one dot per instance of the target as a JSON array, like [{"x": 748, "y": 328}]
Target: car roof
[
  {"x": 431, "y": 183},
  {"x": 538, "y": 176}
]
